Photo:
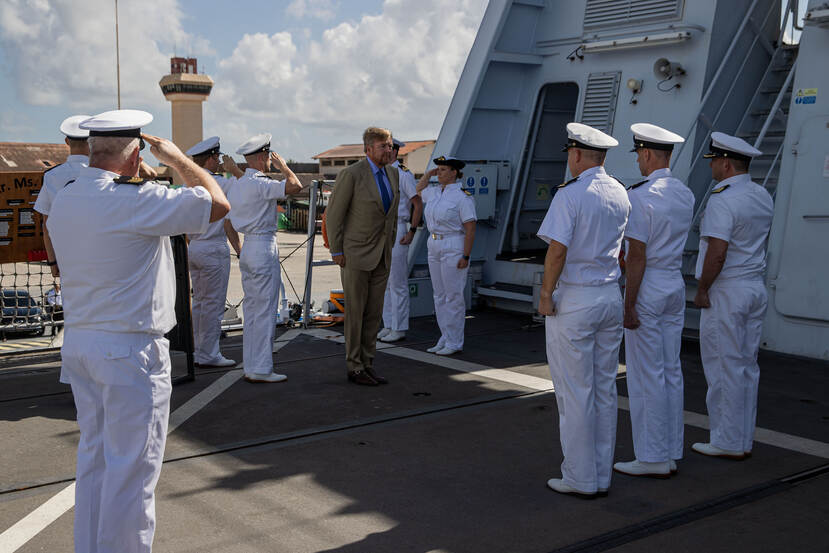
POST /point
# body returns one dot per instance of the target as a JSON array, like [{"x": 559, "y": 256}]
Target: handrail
[
  {"x": 715, "y": 78},
  {"x": 773, "y": 111},
  {"x": 771, "y": 168},
  {"x": 523, "y": 166},
  {"x": 309, "y": 251}
]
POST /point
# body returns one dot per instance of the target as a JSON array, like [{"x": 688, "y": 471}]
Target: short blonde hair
[{"x": 373, "y": 134}]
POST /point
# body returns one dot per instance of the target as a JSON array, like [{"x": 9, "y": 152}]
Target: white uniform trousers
[
  {"x": 729, "y": 341},
  {"x": 121, "y": 385},
  {"x": 654, "y": 372},
  {"x": 448, "y": 283},
  {"x": 583, "y": 340},
  {"x": 261, "y": 277},
  {"x": 209, "y": 276},
  {"x": 396, "y": 300}
]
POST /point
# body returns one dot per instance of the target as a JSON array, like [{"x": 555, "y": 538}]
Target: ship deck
[{"x": 452, "y": 456}]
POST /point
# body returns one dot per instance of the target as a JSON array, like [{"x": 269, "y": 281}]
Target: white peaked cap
[
  {"x": 119, "y": 122},
  {"x": 584, "y": 136},
  {"x": 725, "y": 145},
  {"x": 255, "y": 144},
  {"x": 205, "y": 146},
  {"x": 646, "y": 135},
  {"x": 70, "y": 127}
]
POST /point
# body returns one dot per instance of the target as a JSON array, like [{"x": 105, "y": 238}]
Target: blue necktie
[{"x": 384, "y": 191}]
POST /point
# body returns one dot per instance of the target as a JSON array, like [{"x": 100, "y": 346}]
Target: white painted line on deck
[
  {"x": 35, "y": 522},
  {"x": 28, "y": 527}
]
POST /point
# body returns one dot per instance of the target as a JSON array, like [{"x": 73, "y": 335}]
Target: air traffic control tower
[{"x": 186, "y": 89}]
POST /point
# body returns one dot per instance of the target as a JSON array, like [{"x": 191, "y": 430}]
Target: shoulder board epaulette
[
  {"x": 720, "y": 189},
  {"x": 562, "y": 185},
  {"x": 404, "y": 168},
  {"x": 465, "y": 191},
  {"x": 52, "y": 167},
  {"x": 640, "y": 183},
  {"x": 68, "y": 183},
  {"x": 137, "y": 181},
  {"x": 617, "y": 180}
]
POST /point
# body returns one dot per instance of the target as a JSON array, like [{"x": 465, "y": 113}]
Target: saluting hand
[{"x": 164, "y": 150}]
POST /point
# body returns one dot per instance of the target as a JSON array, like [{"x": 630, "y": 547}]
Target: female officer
[{"x": 450, "y": 217}]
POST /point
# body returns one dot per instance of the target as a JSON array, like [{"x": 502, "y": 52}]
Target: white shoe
[
  {"x": 436, "y": 348},
  {"x": 642, "y": 468},
  {"x": 221, "y": 362},
  {"x": 265, "y": 378},
  {"x": 383, "y": 332},
  {"x": 714, "y": 451},
  {"x": 558, "y": 485},
  {"x": 393, "y": 336},
  {"x": 447, "y": 351},
  {"x": 674, "y": 470}
]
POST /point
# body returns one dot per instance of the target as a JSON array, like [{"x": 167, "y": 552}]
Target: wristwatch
[{"x": 466, "y": 257}]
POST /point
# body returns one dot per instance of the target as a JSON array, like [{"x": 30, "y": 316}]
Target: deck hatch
[
  {"x": 599, "y": 14},
  {"x": 599, "y": 108}
]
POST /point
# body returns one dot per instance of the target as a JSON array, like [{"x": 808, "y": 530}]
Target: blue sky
[{"x": 313, "y": 73}]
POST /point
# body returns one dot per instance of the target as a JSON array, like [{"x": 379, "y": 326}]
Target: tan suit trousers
[{"x": 364, "y": 292}]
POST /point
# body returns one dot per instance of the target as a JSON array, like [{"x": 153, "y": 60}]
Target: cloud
[
  {"x": 319, "y": 9},
  {"x": 62, "y": 52},
  {"x": 397, "y": 69}
]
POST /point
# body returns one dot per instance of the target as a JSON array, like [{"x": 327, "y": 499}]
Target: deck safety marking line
[
  {"x": 761, "y": 435},
  {"x": 35, "y": 522}
]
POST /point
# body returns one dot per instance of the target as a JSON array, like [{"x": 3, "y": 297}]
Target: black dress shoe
[
  {"x": 362, "y": 378},
  {"x": 377, "y": 377}
]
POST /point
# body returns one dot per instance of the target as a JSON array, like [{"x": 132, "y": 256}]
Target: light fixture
[
  {"x": 635, "y": 85},
  {"x": 635, "y": 42}
]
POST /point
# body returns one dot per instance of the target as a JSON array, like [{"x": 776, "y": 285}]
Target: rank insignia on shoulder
[
  {"x": 640, "y": 183},
  {"x": 467, "y": 192},
  {"x": 404, "y": 168},
  {"x": 720, "y": 189},
  {"x": 562, "y": 185},
  {"x": 138, "y": 181}
]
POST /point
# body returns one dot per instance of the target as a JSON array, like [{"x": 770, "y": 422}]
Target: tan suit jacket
[{"x": 354, "y": 218}]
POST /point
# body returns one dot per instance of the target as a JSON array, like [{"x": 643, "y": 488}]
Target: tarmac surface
[{"x": 452, "y": 456}]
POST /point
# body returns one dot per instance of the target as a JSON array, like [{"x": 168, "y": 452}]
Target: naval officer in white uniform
[
  {"x": 660, "y": 217},
  {"x": 110, "y": 231},
  {"x": 57, "y": 177},
  {"x": 409, "y": 211},
  {"x": 732, "y": 295},
  {"x": 582, "y": 303},
  {"x": 209, "y": 257},
  {"x": 451, "y": 219},
  {"x": 254, "y": 197}
]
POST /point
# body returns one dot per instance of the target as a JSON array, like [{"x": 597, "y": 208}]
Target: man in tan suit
[{"x": 361, "y": 219}]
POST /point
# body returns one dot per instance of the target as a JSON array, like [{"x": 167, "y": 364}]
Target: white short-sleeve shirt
[
  {"x": 588, "y": 216},
  {"x": 447, "y": 209},
  {"x": 741, "y": 215},
  {"x": 408, "y": 190},
  {"x": 660, "y": 216},
  {"x": 112, "y": 244},
  {"x": 55, "y": 179},
  {"x": 253, "y": 199},
  {"x": 216, "y": 229}
]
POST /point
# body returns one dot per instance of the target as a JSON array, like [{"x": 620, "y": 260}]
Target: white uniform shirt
[
  {"x": 111, "y": 242},
  {"x": 55, "y": 179},
  {"x": 661, "y": 211},
  {"x": 216, "y": 229},
  {"x": 253, "y": 202},
  {"x": 447, "y": 210},
  {"x": 408, "y": 190},
  {"x": 741, "y": 215},
  {"x": 588, "y": 216}
]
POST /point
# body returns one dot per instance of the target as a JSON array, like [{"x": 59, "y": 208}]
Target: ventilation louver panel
[
  {"x": 600, "y": 97},
  {"x": 599, "y": 14}
]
